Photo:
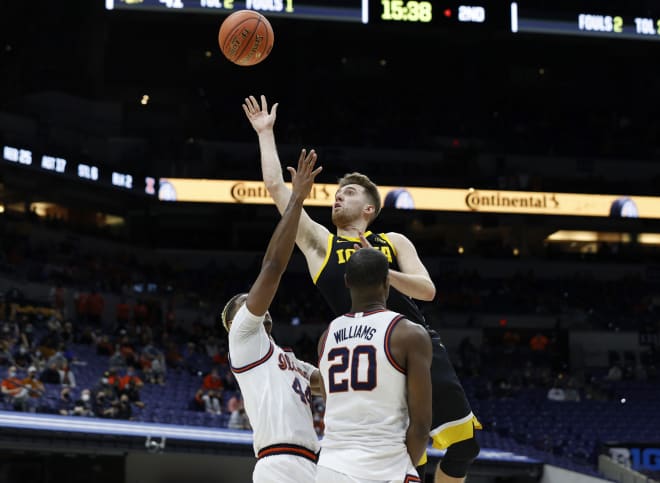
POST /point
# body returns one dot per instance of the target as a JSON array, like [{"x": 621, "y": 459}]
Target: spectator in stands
[
  {"x": 128, "y": 350},
  {"x": 209, "y": 400},
  {"x": 197, "y": 403},
  {"x": 65, "y": 403},
  {"x": 58, "y": 357},
  {"x": 47, "y": 345},
  {"x": 117, "y": 361},
  {"x": 130, "y": 377},
  {"x": 50, "y": 374},
  {"x": 22, "y": 357},
  {"x": 194, "y": 360},
  {"x": 6, "y": 357},
  {"x": 235, "y": 402},
  {"x": 229, "y": 381},
  {"x": 211, "y": 348},
  {"x": 173, "y": 356},
  {"x": 121, "y": 409},
  {"x": 67, "y": 375},
  {"x": 104, "y": 397},
  {"x": 104, "y": 346},
  {"x": 27, "y": 334},
  {"x": 145, "y": 334},
  {"x": 152, "y": 361},
  {"x": 221, "y": 358},
  {"x": 239, "y": 419},
  {"x": 132, "y": 389},
  {"x": 113, "y": 377},
  {"x": 67, "y": 335},
  {"x": 69, "y": 353},
  {"x": 9, "y": 333},
  {"x": 36, "y": 390},
  {"x": 83, "y": 406},
  {"x": 213, "y": 381},
  {"x": 54, "y": 326},
  {"x": 13, "y": 391},
  {"x": 209, "y": 395}
]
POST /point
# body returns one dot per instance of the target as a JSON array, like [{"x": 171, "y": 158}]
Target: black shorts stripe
[{"x": 290, "y": 449}]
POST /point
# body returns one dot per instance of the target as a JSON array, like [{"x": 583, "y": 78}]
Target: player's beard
[{"x": 342, "y": 218}]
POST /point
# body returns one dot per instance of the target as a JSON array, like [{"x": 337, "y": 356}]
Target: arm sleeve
[
  {"x": 305, "y": 368},
  {"x": 248, "y": 340}
]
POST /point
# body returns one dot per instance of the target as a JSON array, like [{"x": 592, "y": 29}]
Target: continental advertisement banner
[{"x": 432, "y": 199}]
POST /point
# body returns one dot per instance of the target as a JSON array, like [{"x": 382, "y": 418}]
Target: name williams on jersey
[{"x": 354, "y": 331}]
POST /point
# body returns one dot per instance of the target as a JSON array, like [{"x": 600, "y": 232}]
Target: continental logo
[
  {"x": 477, "y": 200},
  {"x": 246, "y": 192}
]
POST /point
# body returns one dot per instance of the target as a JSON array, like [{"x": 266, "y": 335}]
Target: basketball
[{"x": 246, "y": 37}]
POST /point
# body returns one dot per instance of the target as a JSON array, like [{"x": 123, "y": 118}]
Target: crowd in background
[
  {"x": 158, "y": 287},
  {"x": 144, "y": 339},
  {"x": 107, "y": 338}
]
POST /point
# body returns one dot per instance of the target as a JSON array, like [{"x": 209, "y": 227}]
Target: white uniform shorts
[
  {"x": 326, "y": 475},
  {"x": 284, "y": 468}
]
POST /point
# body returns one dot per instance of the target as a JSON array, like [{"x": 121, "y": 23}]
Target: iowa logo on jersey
[{"x": 343, "y": 254}]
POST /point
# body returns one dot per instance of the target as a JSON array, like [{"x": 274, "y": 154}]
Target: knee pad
[{"x": 458, "y": 458}]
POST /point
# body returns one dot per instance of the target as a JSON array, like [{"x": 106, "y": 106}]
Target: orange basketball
[{"x": 246, "y": 37}]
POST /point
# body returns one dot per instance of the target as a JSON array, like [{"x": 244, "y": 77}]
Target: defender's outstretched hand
[
  {"x": 364, "y": 243},
  {"x": 302, "y": 179},
  {"x": 258, "y": 115}
]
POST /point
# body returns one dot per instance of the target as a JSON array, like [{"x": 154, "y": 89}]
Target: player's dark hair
[
  {"x": 367, "y": 267},
  {"x": 231, "y": 307},
  {"x": 369, "y": 186}
]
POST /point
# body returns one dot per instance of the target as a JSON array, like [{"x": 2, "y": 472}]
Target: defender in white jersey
[
  {"x": 275, "y": 385},
  {"x": 375, "y": 368}
]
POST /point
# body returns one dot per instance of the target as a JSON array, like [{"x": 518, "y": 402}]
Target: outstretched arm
[
  {"x": 263, "y": 123},
  {"x": 310, "y": 235},
  {"x": 413, "y": 278},
  {"x": 279, "y": 250}
]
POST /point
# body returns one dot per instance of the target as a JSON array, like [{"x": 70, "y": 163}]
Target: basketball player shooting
[{"x": 357, "y": 204}]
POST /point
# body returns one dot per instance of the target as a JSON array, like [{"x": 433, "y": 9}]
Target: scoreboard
[
  {"x": 335, "y": 10},
  {"x": 608, "y": 20},
  {"x": 614, "y": 19}
]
